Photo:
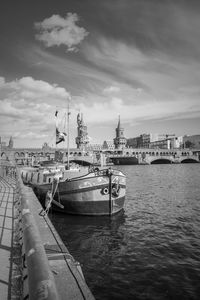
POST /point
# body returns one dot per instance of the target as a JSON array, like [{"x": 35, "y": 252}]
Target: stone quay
[{"x": 35, "y": 264}]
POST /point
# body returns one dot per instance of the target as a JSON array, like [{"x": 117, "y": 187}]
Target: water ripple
[{"x": 152, "y": 250}]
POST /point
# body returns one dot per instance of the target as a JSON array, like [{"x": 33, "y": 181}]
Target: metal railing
[{"x": 41, "y": 284}]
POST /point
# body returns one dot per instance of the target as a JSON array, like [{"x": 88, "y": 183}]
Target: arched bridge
[
  {"x": 153, "y": 156},
  {"x": 34, "y": 155},
  {"x": 169, "y": 159}
]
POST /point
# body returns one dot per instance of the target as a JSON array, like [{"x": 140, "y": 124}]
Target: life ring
[{"x": 105, "y": 191}]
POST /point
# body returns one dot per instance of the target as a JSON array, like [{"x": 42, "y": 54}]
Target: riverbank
[{"x": 34, "y": 261}]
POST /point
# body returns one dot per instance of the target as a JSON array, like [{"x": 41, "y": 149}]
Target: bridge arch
[
  {"x": 4, "y": 156},
  {"x": 188, "y": 160},
  {"x": 161, "y": 161},
  {"x": 16, "y": 154}
]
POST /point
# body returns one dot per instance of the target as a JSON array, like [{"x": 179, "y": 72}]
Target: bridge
[
  {"x": 27, "y": 156},
  {"x": 170, "y": 159},
  {"x": 155, "y": 156}
]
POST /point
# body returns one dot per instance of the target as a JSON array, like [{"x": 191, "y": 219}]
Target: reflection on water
[
  {"x": 151, "y": 250},
  {"x": 92, "y": 237}
]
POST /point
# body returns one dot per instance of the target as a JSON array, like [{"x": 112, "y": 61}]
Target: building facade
[
  {"x": 146, "y": 140},
  {"x": 108, "y": 145},
  {"x": 94, "y": 147},
  {"x": 10, "y": 144}
]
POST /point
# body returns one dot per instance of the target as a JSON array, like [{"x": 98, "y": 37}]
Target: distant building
[
  {"x": 162, "y": 144},
  {"x": 191, "y": 141},
  {"x": 119, "y": 140},
  {"x": 146, "y": 140},
  {"x": 10, "y": 143},
  {"x": 132, "y": 142},
  {"x": 177, "y": 142},
  {"x": 94, "y": 147},
  {"x": 168, "y": 143},
  {"x": 108, "y": 145}
]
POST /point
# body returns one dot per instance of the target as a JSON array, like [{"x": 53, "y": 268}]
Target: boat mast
[{"x": 68, "y": 114}]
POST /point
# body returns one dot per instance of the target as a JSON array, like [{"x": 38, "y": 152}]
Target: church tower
[
  {"x": 119, "y": 140},
  {"x": 82, "y": 138}
]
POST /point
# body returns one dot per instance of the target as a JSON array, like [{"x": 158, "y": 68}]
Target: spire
[
  {"x": 119, "y": 140},
  {"x": 10, "y": 145},
  {"x": 119, "y": 125},
  {"x": 82, "y": 119}
]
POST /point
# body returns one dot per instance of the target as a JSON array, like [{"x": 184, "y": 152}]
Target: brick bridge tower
[
  {"x": 82, "y": 138},
  {"x": 119, "y": 140},
  {"x": 11, "y": 144}
]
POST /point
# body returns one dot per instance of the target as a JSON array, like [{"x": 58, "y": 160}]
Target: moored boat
[{"x": 77, "y": 190}]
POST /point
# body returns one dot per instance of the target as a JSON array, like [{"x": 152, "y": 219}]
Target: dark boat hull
[
  {"x": 86, "y": 196},
  {"x": 125, "y": 160}
]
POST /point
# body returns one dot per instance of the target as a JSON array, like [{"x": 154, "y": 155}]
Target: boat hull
[
  {"x": 95, "y": 195},
  {"x": 125, "y": 160}
]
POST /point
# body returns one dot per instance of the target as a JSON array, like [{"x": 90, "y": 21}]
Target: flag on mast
[{"x": 60, "y": 136}]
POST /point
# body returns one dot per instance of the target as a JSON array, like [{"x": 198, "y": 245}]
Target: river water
[{"x": 152, "y": 249}]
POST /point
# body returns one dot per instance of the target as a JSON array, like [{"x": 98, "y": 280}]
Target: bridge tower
[
  {"x": 10, "y": 145},
  {"x": 82, "y": 138},
  {"x": 119, "y": 140}
]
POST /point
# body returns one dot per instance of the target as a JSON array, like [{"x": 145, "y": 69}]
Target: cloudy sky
[{"x": 139, "y": 59}]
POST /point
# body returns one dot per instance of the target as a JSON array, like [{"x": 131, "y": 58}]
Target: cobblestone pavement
[{"x": 7, "y": 248}]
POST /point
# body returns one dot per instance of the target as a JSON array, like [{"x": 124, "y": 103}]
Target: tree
[{"x": 189, "y": 144}]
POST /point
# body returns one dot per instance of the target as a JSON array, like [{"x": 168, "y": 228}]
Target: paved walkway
[
  {"x": 67, "y": 274},
  {"x": 7, "y": 259}
]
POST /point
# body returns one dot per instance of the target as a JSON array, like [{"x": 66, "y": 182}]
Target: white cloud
[
  {"x": 106, "y": 112},
  {"x": 28, "y": 106},
  {"x": 56, "y": 31},
  {"x": 111, "y": 89},
  {"x": 29, "y": 135},
  {"x": 2, "y": 81}
]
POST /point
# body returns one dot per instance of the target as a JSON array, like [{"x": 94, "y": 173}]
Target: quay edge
[{"x": 47, "y": 266}]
